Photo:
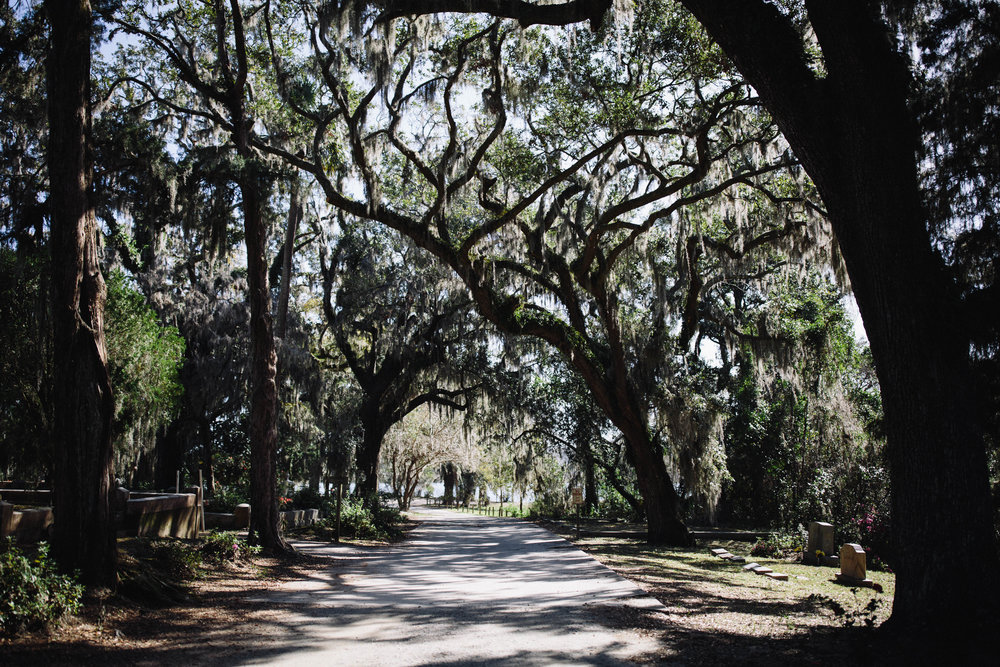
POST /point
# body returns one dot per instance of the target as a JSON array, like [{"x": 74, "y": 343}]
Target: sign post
[{"x": 577, "y": 494}]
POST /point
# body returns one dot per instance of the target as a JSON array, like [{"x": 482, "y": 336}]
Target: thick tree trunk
[
  {"x": 263, "y": 376},
  {"x": 207, "y": 460},
  {"x": 449, "y": 475},
  {"x": 84, "y": 536},
  {"x": 616, "y": 396},
  {"x": 466, "y": 487},
  {"x": 659, "y": 498},
  {"x": 169, "y": 454},
  {"x": 366, "y": 456},
  {"x": 856, "y": 138}
]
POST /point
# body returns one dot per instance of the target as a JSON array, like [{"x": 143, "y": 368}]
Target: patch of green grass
[{"x": 697, "y": 581}]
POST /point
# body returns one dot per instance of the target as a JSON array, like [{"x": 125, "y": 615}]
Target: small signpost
[{"x": 577, "y": 493}]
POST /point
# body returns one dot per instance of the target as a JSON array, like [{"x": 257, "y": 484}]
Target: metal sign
[{"x": 577, "y": 493}]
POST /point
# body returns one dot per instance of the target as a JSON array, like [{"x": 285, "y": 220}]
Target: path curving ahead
[{"x": 462, "y": 590}]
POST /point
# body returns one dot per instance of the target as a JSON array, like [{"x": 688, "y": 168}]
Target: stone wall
[
  {"x": 161, "y": 515},
  {"x": 27, "y": 525}
]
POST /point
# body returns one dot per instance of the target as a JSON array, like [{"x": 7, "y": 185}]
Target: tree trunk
[
  {"x": 294, "y": 215},
  {"x": 366, "y": 456},
  {"x": 467, "y": 487},
  {"x": 590, "y": 499},
  {"x": 207, "y": 461},
  {"x": 263, "y": 373},
  {"x": 169, "y": 454},
  {"x": 449, "y": 475},
  {"x": 616, "y": 397},
  {"x": 857, "y": 140},
  {"x": 84, "y": 535},
  {"x": 663, "y": 517}
]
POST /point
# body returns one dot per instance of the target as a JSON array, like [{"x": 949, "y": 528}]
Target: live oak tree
[
  {"x": 845, "y": 111},
  {"x": 542, "y": 215},
  {"x": 838, "y": 83},
  {"x": 416, "y": 444},
  {"x": 407, "y": 332}
]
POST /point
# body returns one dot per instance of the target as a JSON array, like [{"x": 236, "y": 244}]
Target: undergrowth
[{"x": 33, "y": 594}]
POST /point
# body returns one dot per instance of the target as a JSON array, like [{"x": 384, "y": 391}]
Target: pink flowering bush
[{"x": 873, "y": 529}]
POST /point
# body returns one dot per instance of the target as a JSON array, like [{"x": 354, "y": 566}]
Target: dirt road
[{"x": 463, "y": 590}]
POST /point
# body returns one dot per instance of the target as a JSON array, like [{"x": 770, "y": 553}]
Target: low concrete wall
[
  {"x": 240, "y": 519},
  {"x": 41, "y": 497},
  {"x": 29, "y": 525},
  {"x": 161, "y": 515},
  {"x": 298, "y": 518}
]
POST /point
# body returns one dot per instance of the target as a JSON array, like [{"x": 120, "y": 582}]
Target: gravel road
[{"x": 462, "y": 590}]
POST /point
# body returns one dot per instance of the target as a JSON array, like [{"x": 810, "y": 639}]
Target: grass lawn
[{"x": 718, "y": 612}]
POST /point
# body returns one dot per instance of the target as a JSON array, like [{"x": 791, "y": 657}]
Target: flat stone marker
[
  {"x": 853, "y": 568},
  {"x": 726, "y": 556},
  {"x": 751, "y": 566},
  {"x": 820, "y": 539},
  {"x": 762, "y": 570},
  {"x": 779, "y": 576},
  {"x": 737, "y": 559},
  {"x": 719, "y": 552}
]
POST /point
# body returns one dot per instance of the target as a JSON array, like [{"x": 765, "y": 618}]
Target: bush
[
  {"x": 180, "y": 559},
  {"x": 226, "y": 499},
  {"x": 356, "y": 521},
  {"x": 778, "y": 546},
  {"x": 306, "y": 498},
  {"x": 32, "y": 593},
  {"x": 550, "y": 506},
  {"x": 225, "y": 547},
  {"x": 873, "y": 529}
]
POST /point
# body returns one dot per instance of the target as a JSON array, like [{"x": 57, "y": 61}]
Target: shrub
[
  {"x": 307, "y": 498},
  {"x": 226, "y": 547},
  {"x": 180, "y": 559},
  {"x": 379, "y": 523},
  {"x": 550, "y": 506},
  {"x": 32, "y": 593},
  {"x": 778, "y": 546},
  {"x": 873, "y": 529},
  {"x": 226, "y": 499}
]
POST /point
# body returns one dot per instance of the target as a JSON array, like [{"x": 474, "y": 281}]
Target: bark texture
[
  {"x": 263, "y": 374},
  {"x": 84, "y": 535}
]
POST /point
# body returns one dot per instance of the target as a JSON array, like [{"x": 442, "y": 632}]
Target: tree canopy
[{"x": 618, "y": 248}]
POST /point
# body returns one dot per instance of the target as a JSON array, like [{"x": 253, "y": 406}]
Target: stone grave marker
[
  {"x": 242, "y": 515},
  {"x": 853, "y": 568},
  {"x": 820, "y": 539}
]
